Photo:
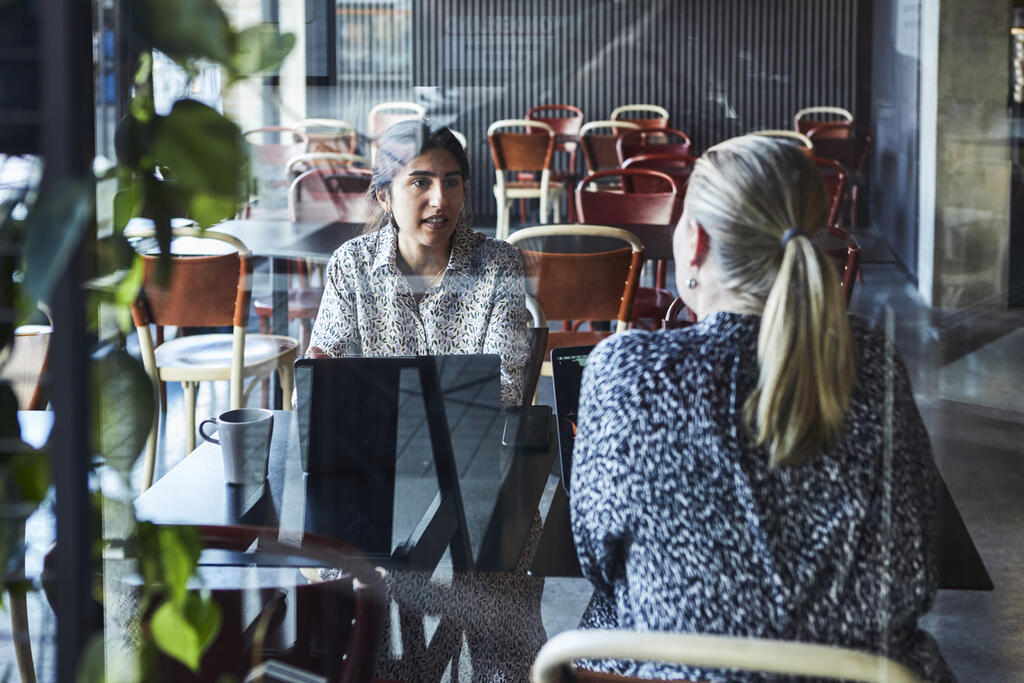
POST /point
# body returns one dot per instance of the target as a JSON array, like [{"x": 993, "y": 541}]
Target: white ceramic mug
[{"x": 244, "y": 438}]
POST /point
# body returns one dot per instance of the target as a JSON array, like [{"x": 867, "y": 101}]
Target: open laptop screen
[{"x": 567, "y": 372}]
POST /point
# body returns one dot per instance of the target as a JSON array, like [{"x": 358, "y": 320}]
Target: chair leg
[
  {"x": 20, "y": 635},
  {"x": 149, "y": 464},
  {"x": 286, "y": 375},
  {"x": 189, "y": 389}
]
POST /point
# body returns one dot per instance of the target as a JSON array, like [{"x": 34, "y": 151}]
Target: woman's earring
[{"x": 692, "y": 283}]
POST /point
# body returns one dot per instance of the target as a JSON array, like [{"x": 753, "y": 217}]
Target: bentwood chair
[
  {"x": 679, "y": 166},
  {"x": 318, "y": 195},
  {"x": 846, "y": 258},
  {"x": 554, "y": 663},
  {"x": 809, "y": 117},
  {"x": 653, "y": 115},
  {"x": 328, "y": 135},
  {"x": 271, "y": 147},
  {"x": 566, "y": 120},
  {"x": 581, "y": 272},
  {"x": 25, "y": 370},
  {"x": 254, "y": 578},
  {"x": 850, "y": 145},
  {"x": 518, "y": 152},
  {"x": 205, "y": 291},
  {"x": 796, "y": 138},
  {"x": 833, "y": 175},
  {"x": 652, "y": 141},
  {"x": 301, "y": 163},
  {"x": 599, "y": 151},
  {"x": 386, "y": 114},
  {"x": 649, "y": 208}
]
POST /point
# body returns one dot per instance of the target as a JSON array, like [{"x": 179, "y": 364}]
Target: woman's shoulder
[{"x": 358, "y": 249}]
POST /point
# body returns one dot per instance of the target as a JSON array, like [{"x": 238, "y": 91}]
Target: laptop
[
  {"x": 349, "y": 409},
  {"x": 567, "y": 373}
]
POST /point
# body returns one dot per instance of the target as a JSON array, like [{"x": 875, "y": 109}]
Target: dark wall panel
[{"x": 721, "y": 67}]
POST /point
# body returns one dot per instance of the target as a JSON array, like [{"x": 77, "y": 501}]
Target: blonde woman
[{"x": 761, "y": 486}]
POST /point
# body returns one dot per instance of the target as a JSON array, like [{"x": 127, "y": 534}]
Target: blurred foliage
[{"x": 192, "y": 162}]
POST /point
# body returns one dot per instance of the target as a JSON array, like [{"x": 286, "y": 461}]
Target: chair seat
[
  {"x": 208, "y": 356},
  {"x": 303, "y": 302},
  {"x": 652, "y": 303}
]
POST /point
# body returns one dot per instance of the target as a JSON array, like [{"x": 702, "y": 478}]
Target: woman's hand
[{"x": 315, "y": 352}]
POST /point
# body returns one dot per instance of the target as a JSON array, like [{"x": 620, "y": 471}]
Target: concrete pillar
[{"x": 964, "y": 197}]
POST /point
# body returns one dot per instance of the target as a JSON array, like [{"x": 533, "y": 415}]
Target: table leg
[{"x": 279, "y": 319}]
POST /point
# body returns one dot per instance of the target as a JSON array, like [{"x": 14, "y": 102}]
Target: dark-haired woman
[
  {"x": 421, "y": 282},
  {"x": 764, "y": 472}
]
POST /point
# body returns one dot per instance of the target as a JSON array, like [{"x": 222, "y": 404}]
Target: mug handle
[{"x": 206, "y": 436}]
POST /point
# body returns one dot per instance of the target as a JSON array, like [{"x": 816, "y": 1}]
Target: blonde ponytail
[
  {"x": 761, "y": 200},
  {"x": 806, "y": 357}
]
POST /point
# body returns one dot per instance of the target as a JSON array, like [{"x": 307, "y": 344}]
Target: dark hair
[{"x": 400, "y": 144}]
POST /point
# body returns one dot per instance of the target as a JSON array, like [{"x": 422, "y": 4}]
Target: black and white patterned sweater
[{"x": 681, "y": 526}]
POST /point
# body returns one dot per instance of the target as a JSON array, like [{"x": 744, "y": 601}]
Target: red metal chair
[
  {"x": 328, "y": 135},
  {"x": 803, "y": 120},
  {"x": 385, "y": 114},
  {"x": 791, "y": 135},
  {"x": 652, "y": 141},
  {"x": 850, "y": 145},
  {"x": 566, "y": 127},
  {"x": 650, "y": 214},
  {"x": 679, "y": 166},
  {"x": 657, "y": 117}
]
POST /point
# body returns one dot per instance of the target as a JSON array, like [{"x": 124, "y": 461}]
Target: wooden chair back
[
  {"x": 654, "y": 115},
  {"x": 271, "y": 147},
  {"x": 678, "y": 166},
  {"x": 678, "y": 315},
  {"x": 328, "y": 135},
  {"x": 809, "y": 117},
  {"x": 791, "y": 658},
  {"x": 599, "y": 150},
  {"x": 847, "y": 143},
  {"x": 575, "y": 276},
  {"x": 331, "y": 194},
  {"x": 791, "y": 135},
  {"x": 521, "y": 151},
  {"x": 221, "y": 282},
  {"x": 26, "y": 365},
  {"x": 658, "y": 206},
  {"x": 386, "y": 114},
  {"x": 340, "y": 161},
  {"x": 652, "y": 141},
  {"x": 568, "y": 123}
]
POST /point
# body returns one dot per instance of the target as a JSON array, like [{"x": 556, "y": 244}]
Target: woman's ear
[
  {"x": 699, "y": 244},
  {"x": 383, "y": 199}
]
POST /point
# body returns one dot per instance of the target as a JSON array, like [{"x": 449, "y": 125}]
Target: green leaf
[
  {"x": 174, "y": 635},
  {"x": 185, "y": 30},
  {"x": 207, "y": 210},
  {"x": 127, "y": 205},
  {"x": 179, "y": 553},
  {"x": 259, "y": 48},
  {"x": 204, "y": 616},
  {"x": 31, "y": 470},
  {"x": 124, "y": 406},
  {"x": 55, "y": 228},
  {"x": 203, "y": 150}
]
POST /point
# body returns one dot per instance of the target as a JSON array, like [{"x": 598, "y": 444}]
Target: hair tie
[{"x": 790, "y": 234}]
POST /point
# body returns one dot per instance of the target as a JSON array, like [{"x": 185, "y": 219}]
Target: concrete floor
[{"x": 968, "y": 372}]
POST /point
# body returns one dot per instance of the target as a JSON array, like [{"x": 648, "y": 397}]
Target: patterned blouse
[
  {"x": 681, "y": 526},
  {"x": 479, "y": 305}
]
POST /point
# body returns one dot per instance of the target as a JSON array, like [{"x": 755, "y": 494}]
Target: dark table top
[
  {"x": 291, "y": 239},
  {"x": 501, "y": 488}
]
